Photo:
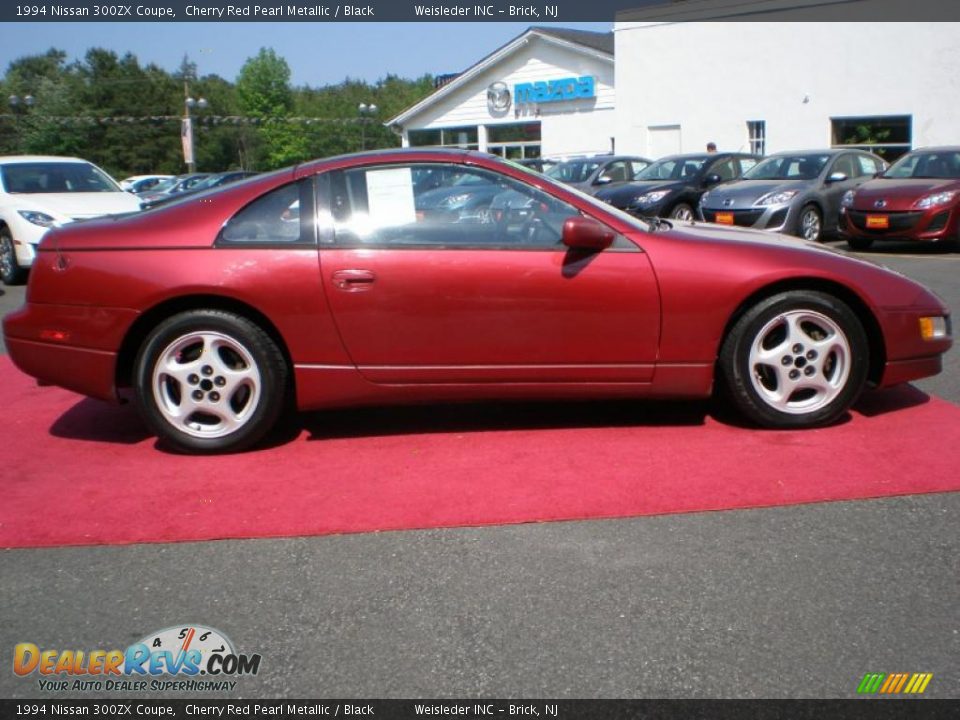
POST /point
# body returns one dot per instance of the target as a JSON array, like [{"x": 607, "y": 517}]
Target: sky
[{"x": 318, "y": 54}]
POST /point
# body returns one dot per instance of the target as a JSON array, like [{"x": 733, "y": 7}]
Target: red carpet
[{"x": 77, "y": 471}]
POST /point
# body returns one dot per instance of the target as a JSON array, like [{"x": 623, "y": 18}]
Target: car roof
[
  {"x": 939, "y": 148},
  {"x": 14, "y": 159},
  {"x": 823, "y": 151}
]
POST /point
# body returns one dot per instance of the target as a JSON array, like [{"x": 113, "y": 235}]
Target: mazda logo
[
  {"x": 880, "y": 204},
  {"x": 728, "y": 202},
  {"x": 498, "y": 97}
]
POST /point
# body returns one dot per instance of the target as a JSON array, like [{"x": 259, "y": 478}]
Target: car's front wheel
[
  {"x": 682, "y": 212},
  {"x": 10, "y": 271},
  {"x": 797, "y": 359},
  {"x": 210, "y": 381},
  {"x": 810, "y": 223}
]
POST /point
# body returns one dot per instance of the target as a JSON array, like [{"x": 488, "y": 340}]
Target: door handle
[{"x": 353, "y": 280}]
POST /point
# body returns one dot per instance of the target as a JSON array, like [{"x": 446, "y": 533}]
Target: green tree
[{"x": 263, "y": 88}]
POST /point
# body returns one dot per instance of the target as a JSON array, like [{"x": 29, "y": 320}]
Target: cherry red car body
[{"x": 331, "y": 284}]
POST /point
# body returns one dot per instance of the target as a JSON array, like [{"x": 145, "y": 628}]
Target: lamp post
[
  {"x": 186, "y": 131},
  {"x": 19, "y": 105},
  {"x": 366, "y": 111}
]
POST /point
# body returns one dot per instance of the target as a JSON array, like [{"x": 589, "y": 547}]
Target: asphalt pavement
[{"x": 795, "y": 601}]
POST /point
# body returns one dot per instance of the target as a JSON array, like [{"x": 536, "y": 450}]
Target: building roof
[
  {"x": 596, "y": 44},
  {"x": 595, "y": 40}
]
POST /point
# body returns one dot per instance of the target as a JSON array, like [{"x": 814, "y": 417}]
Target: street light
[
  {"x": 367, "y": 111},
  {"x": 19, "y": 105},
  {"x": 186, "y": 132}
]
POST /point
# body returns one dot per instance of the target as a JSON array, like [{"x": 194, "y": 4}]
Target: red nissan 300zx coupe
[{"x": 430, "y": 275}]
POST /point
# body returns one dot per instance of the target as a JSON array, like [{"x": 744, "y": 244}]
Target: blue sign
[{"x": 554, "y": 90}]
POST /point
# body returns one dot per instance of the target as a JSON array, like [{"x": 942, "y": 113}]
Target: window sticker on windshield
[{"x": 390, "y": 197}]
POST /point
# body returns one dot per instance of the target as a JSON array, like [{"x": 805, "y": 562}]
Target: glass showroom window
[
  {"x": 514, "y": 141},
  {"x": 757, "y": 132},
  {"x": 888, "y": 136},
  {"x": 456, "y": 137}
]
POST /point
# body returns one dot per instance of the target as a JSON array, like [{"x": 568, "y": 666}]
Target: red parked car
[
  {"x": 917, "y": 198},
  {"x": 326, "y": 285}
]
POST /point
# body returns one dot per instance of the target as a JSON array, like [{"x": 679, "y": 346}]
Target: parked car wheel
[
  {"x": 682, "y": 212},
  {"x": 210, "y": 381},
  {"x": 858, "y": 243},
  {"x": 10, "y": 271},
  {"x": 810, "y": 223},
  {"x": 797, "y": 359}
]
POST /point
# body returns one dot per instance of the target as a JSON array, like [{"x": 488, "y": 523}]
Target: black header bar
[{"x": 534, "y": 13}]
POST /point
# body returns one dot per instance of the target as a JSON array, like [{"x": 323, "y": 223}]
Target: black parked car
[
  {"x": 672, "y": 186},
  {"x": 204, "y": 183}
]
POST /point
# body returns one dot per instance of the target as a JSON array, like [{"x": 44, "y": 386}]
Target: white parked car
[{"x": 40, "y": 192}]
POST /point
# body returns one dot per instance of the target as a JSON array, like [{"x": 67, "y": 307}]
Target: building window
[
  {"x": 888, "y": 136},
  {"x": 514, "y": 141},
  {"x": 458, "y": 137},
  {"x": 757, "y": 132}
]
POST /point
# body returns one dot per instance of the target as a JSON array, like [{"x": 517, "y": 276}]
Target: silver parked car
[{"x": 792, "y": 192}]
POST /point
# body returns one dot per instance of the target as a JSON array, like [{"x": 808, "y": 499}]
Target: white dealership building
[
  {"x": 548, "y": 91},
  {"x": 672, "y": 78}
]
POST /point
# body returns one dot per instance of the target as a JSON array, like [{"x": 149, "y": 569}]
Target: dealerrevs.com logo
[{"x": 184, "y": 657}]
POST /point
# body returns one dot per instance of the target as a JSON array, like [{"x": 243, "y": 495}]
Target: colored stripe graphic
[{"x": 894, "y": 683}]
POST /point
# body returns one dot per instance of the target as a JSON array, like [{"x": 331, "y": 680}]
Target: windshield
[
  {"x": 932, "y": 165},
  {"x": 573, "y": 171},
  {"x": 672, "y": 169},
  {"x": 56, "y": 177},
  {"x": 788, "y": 167}
]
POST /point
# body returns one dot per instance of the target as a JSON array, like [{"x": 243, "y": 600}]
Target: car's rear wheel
[
  {"x": 797, "y": 359},
  {"x": 682, "y": 212},
  {"x": 810, "y": 223},
  {"x": 10, "y": 271},
  {"x": 859, "y": 243},
  {"x": 210, "y": 381}
]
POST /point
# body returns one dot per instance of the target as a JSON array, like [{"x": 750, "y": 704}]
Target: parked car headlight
[
  {"x": 940, "y": 198},
  {"x": 847, "y": 199},
  {"x": 777, "y": 198},
  {"x": 651, "y": 197},
  {"x": 37, "y": 218},
  {"x": 703, "y": 198}
]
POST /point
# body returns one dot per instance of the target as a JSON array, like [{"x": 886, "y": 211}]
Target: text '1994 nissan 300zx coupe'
[{"x": 335, "y": 283}]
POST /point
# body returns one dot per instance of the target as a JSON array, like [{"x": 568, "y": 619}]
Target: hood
[
  {"x": 743, "y": 194},
  {"x": 436, "y": 197},
  {"x": 623, "y": 195},
  {"x": 77, "y": 206},
  {"x": 899, "y": 194}
]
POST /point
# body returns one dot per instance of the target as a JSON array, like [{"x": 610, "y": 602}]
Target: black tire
[
  {"x": 786, "y": 328},
  {"x": 10, "y": 271},
  {"x": 682, "y": 211},
  {"x": 859, "y": 243},
  {"x": 240, "y": 385},
  {"x": 810, "y": 214}
]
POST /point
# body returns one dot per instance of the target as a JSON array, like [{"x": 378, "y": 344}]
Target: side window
[
  {"x": 636, "y": 167},
  {"x": 746, "y": 163},
  {"x": 726, "y": 169},
  {"x": 271, "y": 218},
  {"x": 868, "y": 166},
  {"x": 617, "y": 171},
  {"x": 392, "y": 207},
  {"x": 845, "y": 165}
]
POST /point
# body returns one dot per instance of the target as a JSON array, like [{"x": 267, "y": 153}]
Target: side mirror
[
  {"x": 585, "y": 233},
  {"x": 712, "y": 179},
  {"x": 603, "y": 180},
  {"x": 836, "y": 177}
]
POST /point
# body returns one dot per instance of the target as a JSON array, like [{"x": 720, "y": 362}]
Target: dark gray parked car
[
  {"x": 792, "y": 192},
  {"x": 600, "y": 171}
]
